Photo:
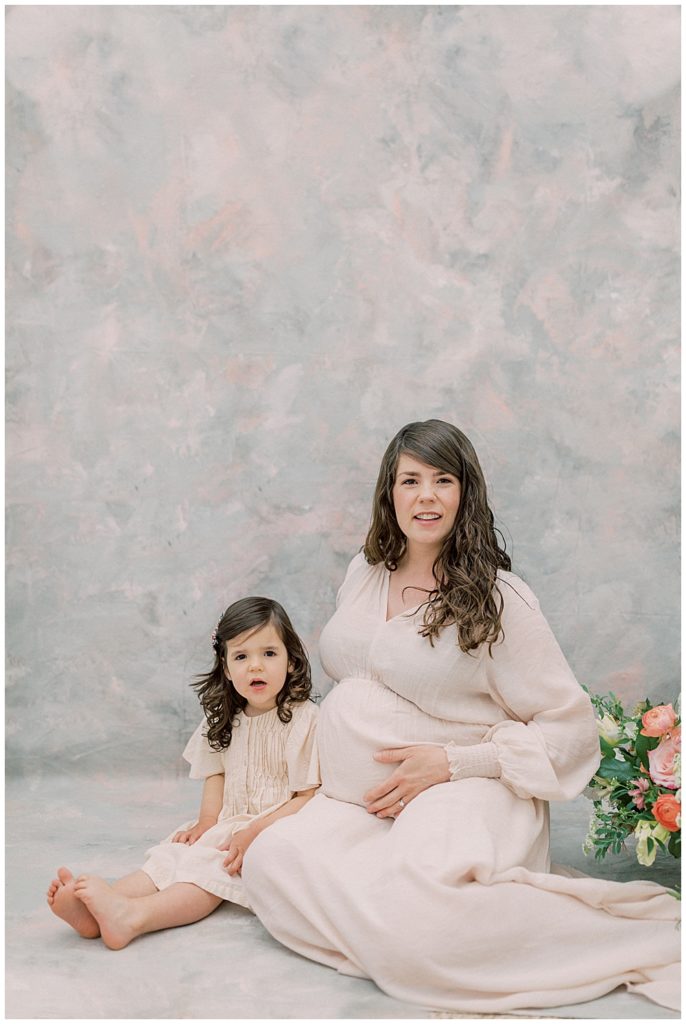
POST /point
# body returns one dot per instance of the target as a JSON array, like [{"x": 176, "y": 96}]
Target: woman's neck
[{"x": 419, "y": 561}]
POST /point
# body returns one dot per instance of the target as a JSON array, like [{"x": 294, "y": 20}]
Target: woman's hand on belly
[{"x": 421, "y": 766}]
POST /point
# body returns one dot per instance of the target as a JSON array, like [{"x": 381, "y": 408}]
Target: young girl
[{"x": 257, "y": 754}]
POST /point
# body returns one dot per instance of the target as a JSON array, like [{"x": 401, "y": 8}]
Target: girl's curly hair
[
  {"x": 467, "y": 564},
  {"x": 220, "y": 700}
]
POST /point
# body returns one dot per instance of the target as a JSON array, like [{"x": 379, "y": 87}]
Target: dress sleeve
[
  {"x": 549, "y": 746},
  {"x": 302, "y": 756},
  {"x": 357, "y": 563},
  {"x": 204, "y": 761}
]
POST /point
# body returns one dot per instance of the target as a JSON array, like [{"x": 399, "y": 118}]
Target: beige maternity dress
[
  {"x": 455, "y": 905},
  {"x": 266, "y": 762}
]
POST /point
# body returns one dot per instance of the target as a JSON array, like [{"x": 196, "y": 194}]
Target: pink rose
[
  {"x": 661, "y": 760},
  {"x": 641, "y": 786},
  {"x": 658, "y": 721}
]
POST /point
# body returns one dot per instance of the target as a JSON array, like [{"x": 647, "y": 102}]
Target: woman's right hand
[
  {"x": 191, "y": 835},
  {"x": 421, "y": 765}
]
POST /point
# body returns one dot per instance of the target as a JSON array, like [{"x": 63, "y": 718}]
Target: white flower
[
  {"x": 619, "y": 756},
  {"x": 644, "y": 831},
  {"x": 676, "y": 769},
  {"x": 589, "y": 841},
  {"x": 601, "y": 790},
  {"x": 631, "y": 730},
  {"x": 610, "y": 729}
]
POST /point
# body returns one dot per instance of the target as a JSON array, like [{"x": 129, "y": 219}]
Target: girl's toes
[
  {"x": 52, "y": 889},
  {"x": 64, "y": 875}
]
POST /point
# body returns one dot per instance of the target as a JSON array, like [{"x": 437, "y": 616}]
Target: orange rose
[
  {"x": 667, "y": 810},
  {"x": 658, "y": 721}
]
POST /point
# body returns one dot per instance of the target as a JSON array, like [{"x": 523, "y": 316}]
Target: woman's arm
[
  {"x": 240, "y": 841},
  {"x": 210, "y": 809},
  {"x": 546, "y": 748},
  {"x": 423, "y": 765}
]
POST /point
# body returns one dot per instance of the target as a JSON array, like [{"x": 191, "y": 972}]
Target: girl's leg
[
  {"x": 122, "y": 918},
  {"x": 135, "y": 884}
]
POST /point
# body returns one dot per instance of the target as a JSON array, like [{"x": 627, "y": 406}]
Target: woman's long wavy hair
[
  {"x": 467, "y": 564},
  {"x": 220, "y": 700}
]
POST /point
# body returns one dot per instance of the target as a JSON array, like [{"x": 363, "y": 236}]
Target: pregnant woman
[{"x": 424, "y": 861}]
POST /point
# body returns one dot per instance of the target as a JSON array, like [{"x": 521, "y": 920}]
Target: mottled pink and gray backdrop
[{"x": 245, "y": 245}]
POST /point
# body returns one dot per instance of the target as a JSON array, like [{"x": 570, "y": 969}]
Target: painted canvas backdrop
[{"x": 245, "y": 245}]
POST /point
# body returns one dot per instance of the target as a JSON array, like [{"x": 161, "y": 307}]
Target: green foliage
[
  {"x": 606, "y": 749},
  {"x": 642, "y": 745},
  {"x": 611, "y": 830},
  {"x": 623, "y": 771}
]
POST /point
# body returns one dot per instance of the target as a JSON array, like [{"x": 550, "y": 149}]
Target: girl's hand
[
  {"x": 237, "y": 845},
  {"x": 421, "y": 766},
  {"x": 192, "y": 835}
]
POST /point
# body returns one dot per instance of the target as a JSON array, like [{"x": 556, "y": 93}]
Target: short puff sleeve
[
  {"x": 302, "y": 755},
  {"x": 204, "y": 761},
  {"x": 548, "y": 749}
]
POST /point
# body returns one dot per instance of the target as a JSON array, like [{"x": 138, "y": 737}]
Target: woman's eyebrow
[{"x": 436, "y": 472}]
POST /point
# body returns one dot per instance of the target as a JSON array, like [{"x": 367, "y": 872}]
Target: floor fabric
[{"x": 226, "y": 966}]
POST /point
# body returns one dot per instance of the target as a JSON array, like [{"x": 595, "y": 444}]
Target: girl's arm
[
  {"x": 240, "y": 841},
  {"x": 210, "y": 808}
]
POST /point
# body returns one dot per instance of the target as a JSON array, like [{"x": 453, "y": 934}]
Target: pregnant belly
[{"x": 360, "y": 717}]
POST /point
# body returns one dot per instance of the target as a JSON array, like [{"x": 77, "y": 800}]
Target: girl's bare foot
[
  {"x": 63, "y": 902},
  {"x": 117, "y": 916}
]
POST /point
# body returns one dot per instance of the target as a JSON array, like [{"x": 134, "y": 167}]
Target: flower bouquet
[{"x": 637, "y": 788}]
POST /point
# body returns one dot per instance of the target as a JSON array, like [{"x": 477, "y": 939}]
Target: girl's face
[
  {"x": 257, "y": 662},
  {"x": 426, "y": 501}
]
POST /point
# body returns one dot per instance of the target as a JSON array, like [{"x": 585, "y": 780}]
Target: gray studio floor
[{"x": 224, "y": 967}]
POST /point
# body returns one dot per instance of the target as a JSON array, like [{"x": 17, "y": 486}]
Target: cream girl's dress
[{"x": 266, "y": 762}]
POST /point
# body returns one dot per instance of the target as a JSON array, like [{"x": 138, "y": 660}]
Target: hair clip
[{"x": 214, "y": 637}]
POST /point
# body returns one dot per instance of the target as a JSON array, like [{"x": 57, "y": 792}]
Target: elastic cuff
[{"x": 478, "y": 761}]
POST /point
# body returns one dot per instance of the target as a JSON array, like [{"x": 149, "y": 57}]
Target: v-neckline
[{"x": 385, "y": 591}]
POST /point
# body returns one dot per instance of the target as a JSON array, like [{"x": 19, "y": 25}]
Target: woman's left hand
[{"x": 421, "y": 765}]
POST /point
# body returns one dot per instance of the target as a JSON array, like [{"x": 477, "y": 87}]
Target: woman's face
[{"x": 426, "y": 501}]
